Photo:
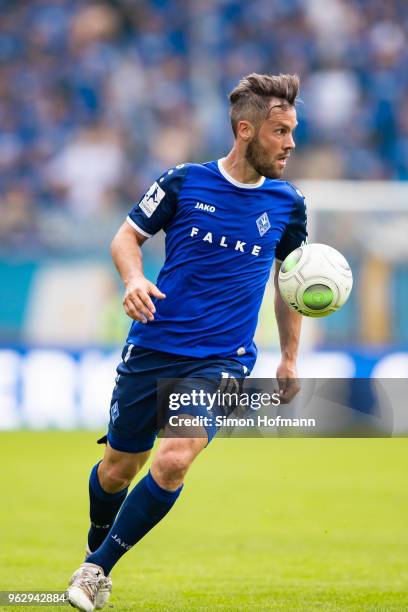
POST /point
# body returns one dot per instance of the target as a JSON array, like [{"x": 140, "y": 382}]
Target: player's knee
[
  {"x": 115, "y": 476},
  {"x": 171, "y": 466}
]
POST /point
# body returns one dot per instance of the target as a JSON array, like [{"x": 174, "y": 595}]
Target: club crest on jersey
[
  {"x": 263, "y": 224},
  {"x": 152, "y": 199}
]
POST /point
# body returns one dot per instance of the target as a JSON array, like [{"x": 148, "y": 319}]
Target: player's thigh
[{"x": 120, "y": 467}]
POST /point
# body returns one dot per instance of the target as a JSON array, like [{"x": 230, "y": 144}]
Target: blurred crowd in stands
[{"x": 98, "y": 98}]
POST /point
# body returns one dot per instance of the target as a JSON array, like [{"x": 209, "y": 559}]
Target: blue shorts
[{"x": 134, "y": 424}]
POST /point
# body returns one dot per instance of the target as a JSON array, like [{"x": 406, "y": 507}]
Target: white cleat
[
  {"x": 104, "y": 591},
  {"x": 84, "y": 586},
  {"x": 105, "y": 587}
]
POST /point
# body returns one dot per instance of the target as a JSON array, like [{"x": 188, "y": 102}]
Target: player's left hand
[{"x": 288, "y": 381}]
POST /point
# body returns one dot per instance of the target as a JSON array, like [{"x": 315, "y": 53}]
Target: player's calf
[{"x": 108, "y": 489}]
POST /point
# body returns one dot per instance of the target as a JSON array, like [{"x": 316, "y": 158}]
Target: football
[{"x": 315, "y": 280}]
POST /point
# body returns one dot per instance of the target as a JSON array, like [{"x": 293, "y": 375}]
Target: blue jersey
[{"x": 221, "y": 239}]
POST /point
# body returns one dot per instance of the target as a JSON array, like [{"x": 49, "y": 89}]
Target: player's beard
[{"x": 256, "y": 155}]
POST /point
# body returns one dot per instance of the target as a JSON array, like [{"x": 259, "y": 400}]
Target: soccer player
[{"x": 226, "y": 222}]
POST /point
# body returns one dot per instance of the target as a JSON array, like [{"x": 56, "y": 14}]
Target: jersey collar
[{"x": 229, "y": 178}]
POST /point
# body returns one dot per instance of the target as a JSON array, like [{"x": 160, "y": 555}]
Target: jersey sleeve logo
[
  {"x": 263, "y": 224},
  {"x": 114, "y": 412},
  {"x": 152, "y": 199}
]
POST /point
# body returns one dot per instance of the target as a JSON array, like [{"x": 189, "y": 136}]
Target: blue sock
[
  {"x": 103, "y": 509},
  {"x": 144, "y": 507}
]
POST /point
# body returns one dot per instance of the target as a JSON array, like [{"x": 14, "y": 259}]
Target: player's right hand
[{"x": 137, "y": 302}]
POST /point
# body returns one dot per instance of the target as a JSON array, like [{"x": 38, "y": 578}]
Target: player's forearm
[
  {"x": 127, "y": 255},
  {"x": 289, "y": 326}
]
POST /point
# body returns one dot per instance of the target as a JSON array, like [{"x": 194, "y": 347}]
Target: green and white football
[{"x": 315, "y": 280}]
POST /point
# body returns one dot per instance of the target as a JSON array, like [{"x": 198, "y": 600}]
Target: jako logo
[
  {"x": 206, "y": 207},
  {"x": 120, "y": 542}
]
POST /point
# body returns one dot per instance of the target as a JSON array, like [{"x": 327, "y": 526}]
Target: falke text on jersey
[{"x": 225, "y": 242}]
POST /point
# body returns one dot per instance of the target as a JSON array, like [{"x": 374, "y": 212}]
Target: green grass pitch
[{"x": 264, "y": 524}]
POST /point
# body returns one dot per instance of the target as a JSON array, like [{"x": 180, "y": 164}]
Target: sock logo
[
  {"x": 114, "y": 411},
  {"x": 120, "y": 542}
]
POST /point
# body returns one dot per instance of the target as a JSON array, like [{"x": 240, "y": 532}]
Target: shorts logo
[
  {"x": 114, "y": 412},
  {"x": 128, "y": 353},
  {"x": 263, "y": 224},
  {"x": 152, "y": 199}
]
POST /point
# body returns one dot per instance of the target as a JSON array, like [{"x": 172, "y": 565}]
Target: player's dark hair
[{"x": 250, "y": 99}]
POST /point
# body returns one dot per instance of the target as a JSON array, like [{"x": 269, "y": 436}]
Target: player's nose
[{"x": 289, "y": 142}]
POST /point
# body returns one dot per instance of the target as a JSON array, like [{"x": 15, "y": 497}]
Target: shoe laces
[
  {"x": 105, "y": 583},
  {"x": 90, "y": 581}
]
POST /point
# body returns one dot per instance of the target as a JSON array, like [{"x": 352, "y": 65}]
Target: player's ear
[{"x": 245, "y": 130}]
